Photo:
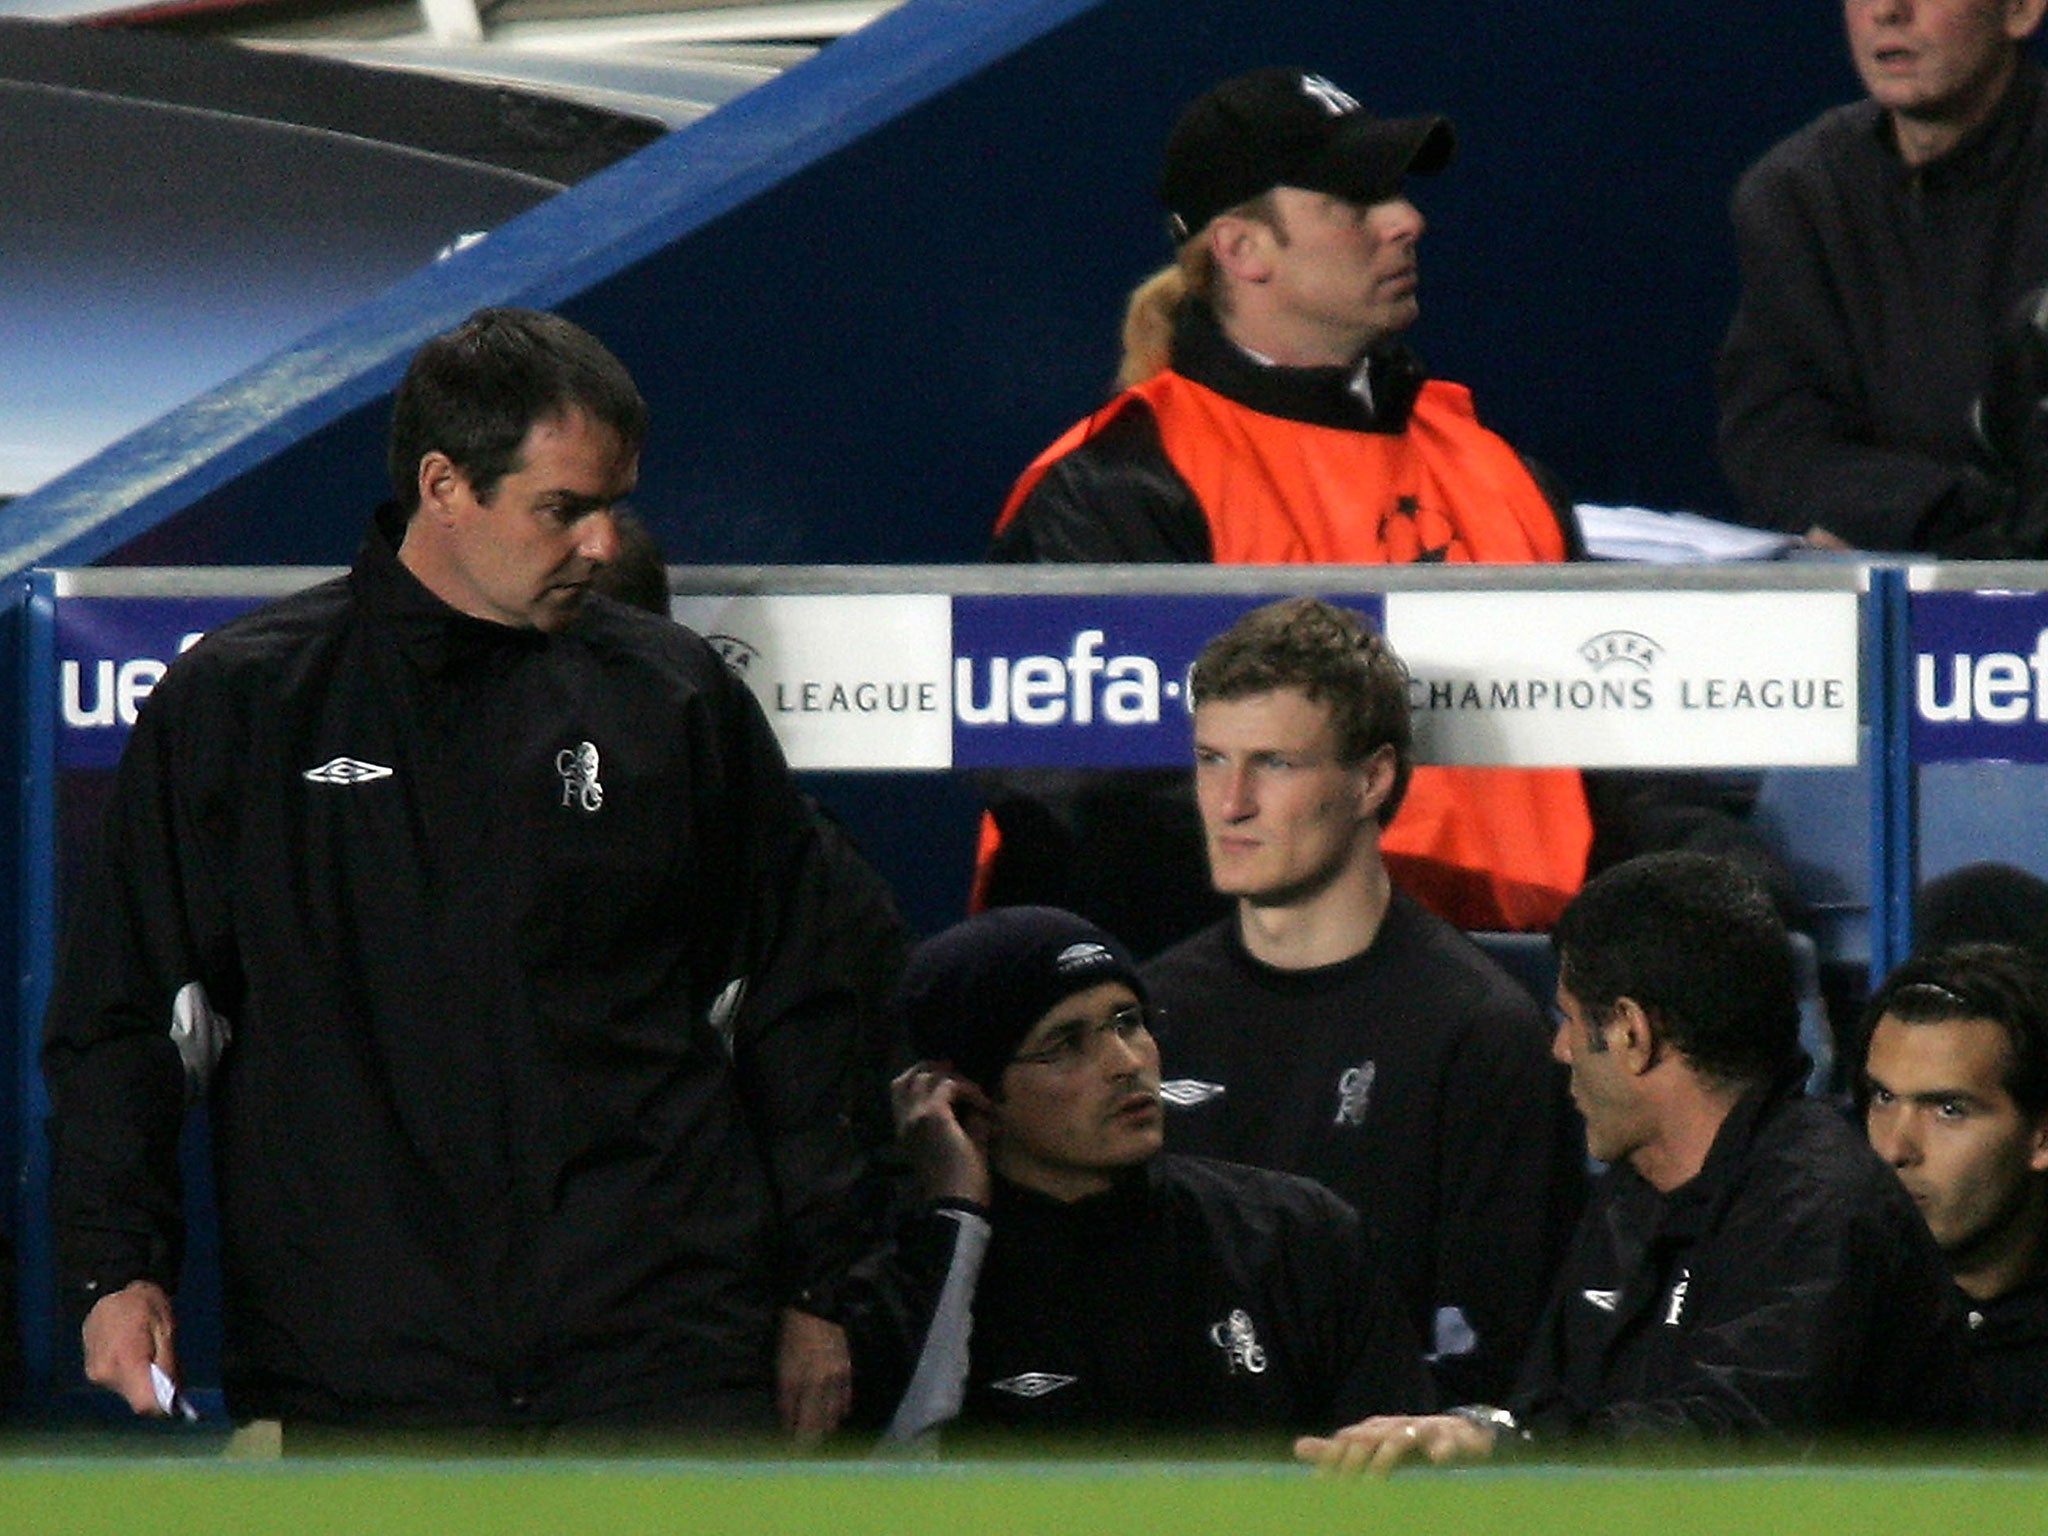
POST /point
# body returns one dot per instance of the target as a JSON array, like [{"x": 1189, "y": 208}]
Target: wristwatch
[{"x": 1503, "y": 1424}]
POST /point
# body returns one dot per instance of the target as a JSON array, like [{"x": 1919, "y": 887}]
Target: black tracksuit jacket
[
  {"x": 1789, "y": 1288},
  {"x": 1195, "y": 1297},
  {"x": 486, "y": 1152}
]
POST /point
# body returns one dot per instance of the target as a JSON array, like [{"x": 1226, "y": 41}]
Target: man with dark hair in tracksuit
[
  {"x": 1954, "y": 1091},
  {"x": 1882, "y": 246},
  {"x": 1748, "y": 1267},
  {"x": 465, "y": 900}
]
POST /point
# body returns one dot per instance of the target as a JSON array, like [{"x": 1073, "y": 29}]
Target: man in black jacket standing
[
  {"x": 1067, "y": 1276},
  {"x": 1747, "y": 1266},
  {"x": 464, "y": 900}
]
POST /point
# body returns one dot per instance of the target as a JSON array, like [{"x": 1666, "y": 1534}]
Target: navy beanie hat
[{"x": 970, "y": 995}]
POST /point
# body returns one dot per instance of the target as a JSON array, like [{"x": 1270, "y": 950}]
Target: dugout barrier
[{"x": 1803, "y": 669}]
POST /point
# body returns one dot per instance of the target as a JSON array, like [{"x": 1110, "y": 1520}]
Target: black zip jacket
[
  {"x": 1871, "y": 291},
  {"x": 1414, "y": 1080},
  {"x": 1790, "y": 1288},
  {"x": 2009, "y": 1342},
  {"x": 1194, "y": 1297},
  {"x": 489, "y": 1147}
]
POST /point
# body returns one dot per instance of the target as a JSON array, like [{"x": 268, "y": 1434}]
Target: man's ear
[
  {"x": 441, "y": 484},
  {"x": 1242, "y": 247},
  {"x": 1633, "y": 1035},
  {"x": 2037, "y": 1145},
  {"x": 1376, "y": 781}
]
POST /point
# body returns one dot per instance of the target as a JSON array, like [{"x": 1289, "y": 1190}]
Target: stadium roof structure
[
  {"x": 673, "y": 60},
  {"x": 195, "y": 186}
]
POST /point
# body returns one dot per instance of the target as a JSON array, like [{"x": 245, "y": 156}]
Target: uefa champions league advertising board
[{"x": 924, "y": 681}]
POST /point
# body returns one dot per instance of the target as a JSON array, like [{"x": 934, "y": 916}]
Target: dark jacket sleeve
[
  {"x": 1374, "y": 1359},
  {"x": 891, "y": 1303},
  {"x": 148, "y": 921},
  {"x": 803, "y": 1049},
  {"x": 1510, "y": 1186},
  {"x": 2011, "y": 420},
  {"x": 1822, "y": 1319},
  {"x": 1116, "y": 498},
  {"x": 1794, "y": 429}
]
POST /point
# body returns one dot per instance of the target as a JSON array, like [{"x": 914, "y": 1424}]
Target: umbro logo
[
  {"x": 1188, "y": 1092},
  {"x": 346, "y": 770},
  {"x": 1032, "y": 1383},
  {"x": 1606, "y": 1301},
  {"x": 1079, "y": 957}
]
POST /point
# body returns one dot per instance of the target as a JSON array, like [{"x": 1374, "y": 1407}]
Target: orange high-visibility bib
[{"x": 1484, "y": 847}]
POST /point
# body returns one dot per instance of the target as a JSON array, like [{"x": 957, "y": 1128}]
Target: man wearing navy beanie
[{"x": 1064, "y": 1274}]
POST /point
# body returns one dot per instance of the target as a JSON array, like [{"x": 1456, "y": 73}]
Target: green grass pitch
[{"x": 85, "y": 1496}]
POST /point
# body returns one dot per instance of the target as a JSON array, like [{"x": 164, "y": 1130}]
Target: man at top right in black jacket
[
  {"x": 1747, "y": 1265},
  {"x": 1881, "y": 247}
]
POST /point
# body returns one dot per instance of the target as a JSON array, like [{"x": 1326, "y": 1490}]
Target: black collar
[
  {"x": 1986, "y": 154},
  {"x": 1321, "y": 397},
  {"x": 1111, "y": 1212},
  {"x": 436, "y": 636},
  {"x": 1692, "y": 1209}
]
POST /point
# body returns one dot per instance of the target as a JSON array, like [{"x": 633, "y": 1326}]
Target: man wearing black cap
[
  {"x": 1066, "y": 1274},
  {"x": 1270, "y": 415}
]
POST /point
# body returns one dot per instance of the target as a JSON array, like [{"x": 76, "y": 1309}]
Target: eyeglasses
[{"x": 1068, "y": 1042}]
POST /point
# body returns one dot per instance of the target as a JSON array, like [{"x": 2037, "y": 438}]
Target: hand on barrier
[{"x": 1375, "y": 1446}]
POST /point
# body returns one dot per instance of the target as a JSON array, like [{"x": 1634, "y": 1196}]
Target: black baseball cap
[
  {"x": 1287, "y": 128},
  {"x": 970, "y": 995}
]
